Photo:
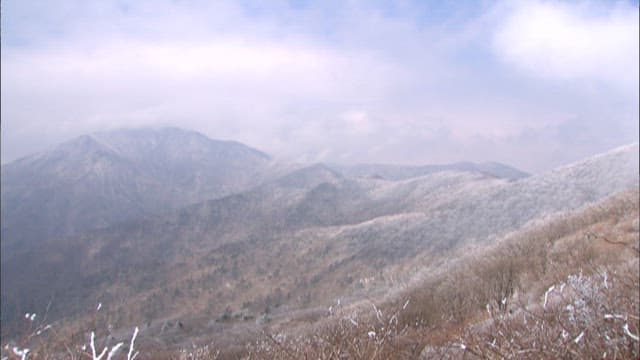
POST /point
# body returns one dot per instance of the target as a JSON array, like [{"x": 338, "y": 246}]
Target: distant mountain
[
  {"x": 301, "y": 240},
  {"x": 400, "y": 172},
  {"x": 101, "y": 179}
]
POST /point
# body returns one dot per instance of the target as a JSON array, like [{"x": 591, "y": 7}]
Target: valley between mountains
[{"x": 204, "y": 243}]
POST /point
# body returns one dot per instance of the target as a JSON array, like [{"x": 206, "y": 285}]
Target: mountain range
[{"x": 167, "y": 225}]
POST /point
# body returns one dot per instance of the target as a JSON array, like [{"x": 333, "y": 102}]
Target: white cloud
[
  {"x": 569, "y": 41},
  {"x": 334, "y": 81},
  {"x": 243, "y": 88},
  {"x": 357, "y": 122}
]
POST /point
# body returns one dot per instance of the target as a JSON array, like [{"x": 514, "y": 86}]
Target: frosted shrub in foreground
[
  {"x": 374, "y": 335},
  {"x": 114, "y": 350},
  {"x": 592, "y": 316},
  {"x": 35, "y": 345}
]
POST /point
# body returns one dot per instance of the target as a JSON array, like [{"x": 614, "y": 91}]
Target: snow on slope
[{"x": 459, "y": 208}]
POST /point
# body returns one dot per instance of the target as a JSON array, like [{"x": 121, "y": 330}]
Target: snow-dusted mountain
[
  {"x": 308, "y": 236},
  {"x": 101, "y": 179}
]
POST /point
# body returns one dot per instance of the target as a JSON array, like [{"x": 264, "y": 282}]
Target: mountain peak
[
  {"x": 105, "y": 177},
  {"x": 175, "y": 143}
]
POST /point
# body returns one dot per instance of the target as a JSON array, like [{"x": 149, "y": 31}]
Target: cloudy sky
[{"x": 534, "y": 84}]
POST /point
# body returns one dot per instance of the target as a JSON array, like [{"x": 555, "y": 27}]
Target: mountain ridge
[{"x": 103, "y": 178}]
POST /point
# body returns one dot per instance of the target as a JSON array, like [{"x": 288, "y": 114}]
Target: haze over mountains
[
  {"x": 167, "y": 224},
  {"x": 100, "y": 179}
]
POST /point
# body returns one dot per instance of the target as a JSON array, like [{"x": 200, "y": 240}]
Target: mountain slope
[
  {"x": 299, "y": 241},
  {"x": 97, "y": 180}
]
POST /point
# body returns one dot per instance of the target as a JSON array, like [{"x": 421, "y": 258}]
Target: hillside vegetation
[
  {"x": 313, "y": 261},
  {"x": 565, "y": 288}
]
